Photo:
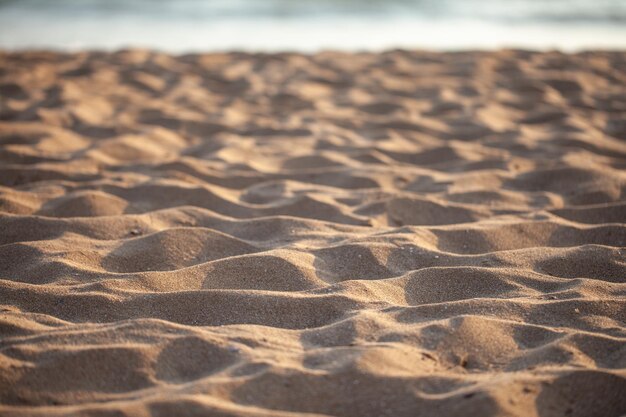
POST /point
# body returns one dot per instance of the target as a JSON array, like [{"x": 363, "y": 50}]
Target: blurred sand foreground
[{"x": 395, "y": 234}]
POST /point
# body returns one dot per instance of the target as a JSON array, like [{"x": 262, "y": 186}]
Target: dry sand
[{"x": 395, "y": 234}]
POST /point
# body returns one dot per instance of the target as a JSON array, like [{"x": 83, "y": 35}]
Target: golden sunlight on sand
[{"x": 391, "y": 234}]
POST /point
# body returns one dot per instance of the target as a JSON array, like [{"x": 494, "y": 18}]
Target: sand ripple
[{"x": 402, "y": 234}]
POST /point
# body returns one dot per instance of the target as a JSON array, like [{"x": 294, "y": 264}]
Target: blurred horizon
[{"x": 311, "y": 25}]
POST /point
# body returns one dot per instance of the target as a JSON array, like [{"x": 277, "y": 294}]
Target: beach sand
[{"x": 372, "y": 234}]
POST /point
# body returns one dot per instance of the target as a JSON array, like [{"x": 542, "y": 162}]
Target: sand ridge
[{"x": 403, "y": 233}]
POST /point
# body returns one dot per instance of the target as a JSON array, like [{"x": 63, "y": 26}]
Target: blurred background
[{"x": 310, "y": 25}]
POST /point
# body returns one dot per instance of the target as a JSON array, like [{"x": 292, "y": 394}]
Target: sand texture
[{"x": 385, "y": 234}]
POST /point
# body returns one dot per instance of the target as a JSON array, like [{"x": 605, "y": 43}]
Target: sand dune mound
[{"x": 393, "y": 234}]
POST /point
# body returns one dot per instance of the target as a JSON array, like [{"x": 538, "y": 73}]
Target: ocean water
[{"x": 309, "y": 25}]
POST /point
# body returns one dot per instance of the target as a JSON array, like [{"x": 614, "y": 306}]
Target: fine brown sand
[{"x": 392, "y": 234}]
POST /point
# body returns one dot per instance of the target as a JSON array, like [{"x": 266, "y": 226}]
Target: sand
[{"x": 384, "y": 234}]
